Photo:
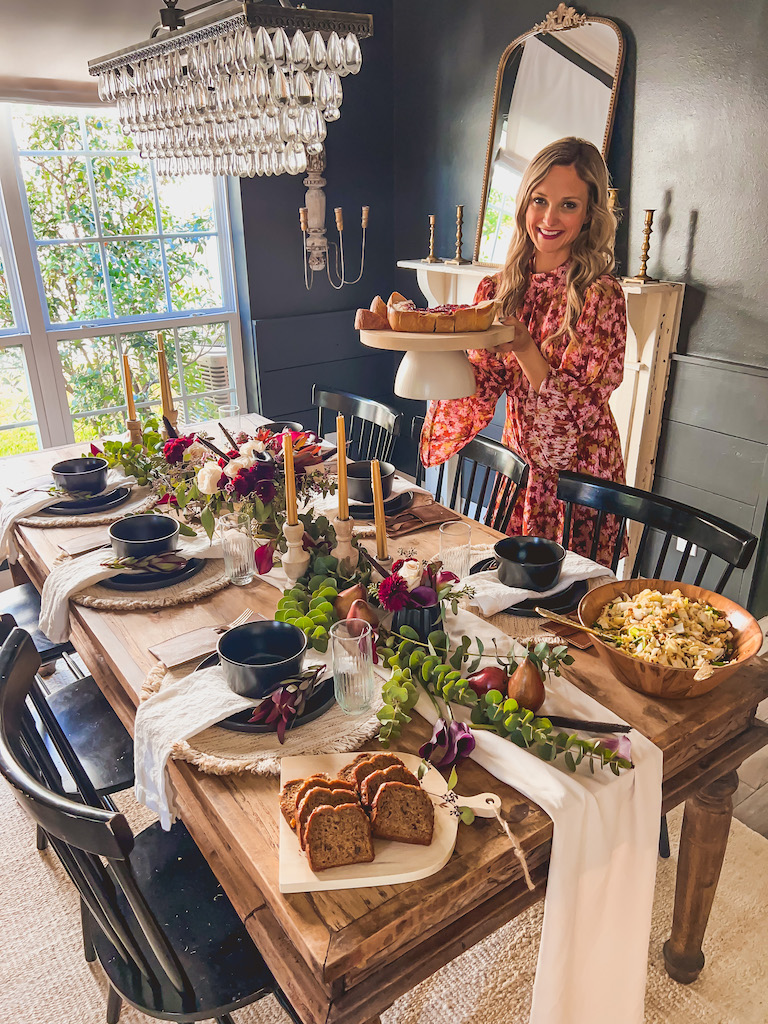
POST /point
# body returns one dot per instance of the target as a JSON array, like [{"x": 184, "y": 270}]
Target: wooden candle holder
[
  {"x": 344, "y": 550},
  {"x": 296, "y": 559}
]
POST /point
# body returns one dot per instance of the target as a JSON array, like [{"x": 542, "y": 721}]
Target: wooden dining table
[{"x": 344, "y": 956}]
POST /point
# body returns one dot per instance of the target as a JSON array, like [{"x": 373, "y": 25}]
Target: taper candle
[
  {"x": 165, "y": 384},
  {"x": 341, "y": 459},
  {"x": 378, "y": 510},
  {"x": 292, "y": 515},
  {"x": 129, "y": 388}
]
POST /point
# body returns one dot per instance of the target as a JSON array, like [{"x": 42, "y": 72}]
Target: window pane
[
  {"x": 88, "y": 428},
  {"x": 91, "y": 374},
  {"x": 201, "y": 409},
  {"x": 6, "y": 313},
  {"x": 59, "y": 196},
  {"x": 18, "y": 440},
  {"x": 136, "y": 277},
  {"x": 73, "y": 282},
  {"x": 106, "y": 133},
  {"x": 38, "y": 128},
  {"x": 204, "y": 355},
  {"x": 16, "y": 404},
  {"x": 124, "y": 196},
  {"x": 193, "y": 273},
  {"x": 186, "y": 204}
]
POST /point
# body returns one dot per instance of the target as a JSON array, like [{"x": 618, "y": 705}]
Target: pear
[
  {"x": 526, "y": 686},
  {"x": 347, "y": 598},
  {"x": 492, "y": 677},
  {"x": 363, "y": 610}
]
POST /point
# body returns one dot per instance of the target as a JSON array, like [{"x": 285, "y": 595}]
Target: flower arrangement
[{"x": 418, "y": 584}]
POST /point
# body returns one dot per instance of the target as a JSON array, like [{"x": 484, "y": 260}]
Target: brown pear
[
  {"x": 526, "y": 686},
  {"x": 363, "y": 610},
  {"x": 347, "y": 598}
]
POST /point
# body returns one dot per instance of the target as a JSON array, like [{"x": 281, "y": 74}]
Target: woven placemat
[
  {"x": 141, "y": 500},
  {"x": 210, "y": 579},
  {"x": 218, "y": 751}
]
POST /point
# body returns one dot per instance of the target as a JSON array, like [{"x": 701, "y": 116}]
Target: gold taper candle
[
  {"x": 378, "y": 510},
  {"x": 165, "y": 384},
  {"x": 291, "y": 511},
  {"x": 341, "y": 459},
  {"x": 129, "y": 388}
]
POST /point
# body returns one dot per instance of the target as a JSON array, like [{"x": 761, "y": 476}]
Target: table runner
[{"x": 597, "y": 913}]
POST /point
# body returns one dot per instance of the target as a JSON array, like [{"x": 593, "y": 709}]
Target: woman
[{"x": 567, "y": 354}]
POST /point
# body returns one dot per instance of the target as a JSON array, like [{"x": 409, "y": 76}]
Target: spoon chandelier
[{"x": 245, "y": 91}]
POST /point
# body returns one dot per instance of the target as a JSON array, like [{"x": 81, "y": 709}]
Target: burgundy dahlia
[
  {"x": 174, "y": 448},
  {"x": 393, "y": 593}
]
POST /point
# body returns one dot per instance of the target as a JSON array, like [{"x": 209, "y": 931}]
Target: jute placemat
[
  {"x": 218, "y": 751},
  {"x": 210, "y": 579},
  {"x": 141, "y": 500}
]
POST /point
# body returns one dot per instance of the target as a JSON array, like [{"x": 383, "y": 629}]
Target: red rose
[{"x": 174, "y": 448}]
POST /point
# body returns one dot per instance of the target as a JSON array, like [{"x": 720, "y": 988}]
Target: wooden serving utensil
[{"x": 563, "y": 621}]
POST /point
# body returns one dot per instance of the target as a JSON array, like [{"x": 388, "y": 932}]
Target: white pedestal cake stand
[{"x": 435, "y": 366}]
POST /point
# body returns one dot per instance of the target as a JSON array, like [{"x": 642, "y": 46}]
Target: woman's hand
[{"x": 522, "y": 340}]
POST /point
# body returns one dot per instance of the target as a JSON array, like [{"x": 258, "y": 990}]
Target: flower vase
[{"x": 423, "y": 620}]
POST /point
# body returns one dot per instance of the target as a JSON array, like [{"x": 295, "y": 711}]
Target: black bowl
[
  {"x": 258, "y": 656},
  {"x": 278, "y": 426},
  {"x": 137, "y": 536},
  {"x": 359, "y": 484},
  {"x": 530, "y": 563},
  {"x": 87, "y": 474}
]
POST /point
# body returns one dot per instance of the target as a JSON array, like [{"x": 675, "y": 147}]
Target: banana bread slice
[
  {"x": 403, "y": 813},
  {"x": 372, "y": 764},
  {"x": 319, "y": 797},
  {"x": 395, "y": 773},
  {"x": 336, "y": 836},
  {"x": 293, "y": 792}
]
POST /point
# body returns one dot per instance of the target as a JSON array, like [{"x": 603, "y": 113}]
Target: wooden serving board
[
  {"x": 417, "y": 341},
  {"x": 393, "y": 862}
]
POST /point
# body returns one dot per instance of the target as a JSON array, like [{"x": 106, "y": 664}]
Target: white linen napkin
[
  {"x": 19, "y": 505},
  {"x": 71, "y": 575},
  {"x": 597, "y": 913},
  {"x": 492, "y": 597}
]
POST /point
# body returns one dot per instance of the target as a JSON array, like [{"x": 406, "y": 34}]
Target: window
[{"x": 110, "y": 255}]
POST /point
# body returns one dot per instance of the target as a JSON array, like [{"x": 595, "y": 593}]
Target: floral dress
[{"x": 567, "y": 425}]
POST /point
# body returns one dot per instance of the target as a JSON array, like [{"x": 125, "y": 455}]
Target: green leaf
[
  {"x": 208, "y": 522},
  {"x": 467, "y": 815},
  {"x": 186, "y": 531},
  {"x": 409, "y": 632},
  {"x": 453, "y": 778},
  {"x": 569, "y": 761}
]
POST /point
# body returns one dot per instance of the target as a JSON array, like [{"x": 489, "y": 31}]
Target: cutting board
[{"x": 393, "y": 862}]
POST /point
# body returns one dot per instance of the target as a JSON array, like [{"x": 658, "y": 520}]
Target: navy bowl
[
  {"x": 257, "y": 656},
  {"x": 137, "y": 536},
  {"x": 87, "y": 474},
  {"x": 359, "y": 486},
  {"x": 530, "y": 563}
]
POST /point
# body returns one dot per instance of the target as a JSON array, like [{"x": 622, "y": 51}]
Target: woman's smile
[{"x": 555, "y": 216}]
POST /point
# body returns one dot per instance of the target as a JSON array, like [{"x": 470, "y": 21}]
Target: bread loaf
[
  {"x": 290, "y": 801},
  {"x": 395, "y": 773},
  {"x": 449, "y": 319},
  {"x": 336, "y": 836},
  {"x": 379, "y": 307},
  {"x": 403, "y": 813},
  {"x": 319, "y": 797},
  {"x": 366, "y": 320},
  {"x": 372, "y": 764}
]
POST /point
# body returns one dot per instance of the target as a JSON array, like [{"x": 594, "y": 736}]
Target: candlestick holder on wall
[
  {"x": 642, "y": 276},
  {"x": 458, "y": 260},
  {"x": 431, "y": 258},
  {"x": 317, "y": 248}
]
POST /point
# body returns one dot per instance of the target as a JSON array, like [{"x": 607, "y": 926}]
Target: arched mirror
[{"x": 559, "y": 79}]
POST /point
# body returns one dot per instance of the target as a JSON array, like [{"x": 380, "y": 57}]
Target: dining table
[{"x": 344, "y": 956}]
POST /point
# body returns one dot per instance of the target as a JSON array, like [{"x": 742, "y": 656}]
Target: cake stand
[{"x": 435, "y": 366}]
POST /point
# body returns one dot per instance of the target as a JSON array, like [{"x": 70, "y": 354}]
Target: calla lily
[
  {"x": 423, "y": 597},
  {"x": 621, "y": 745},
  {"x": 450, "y": 743},
  {"x": 264, "y": 557}
]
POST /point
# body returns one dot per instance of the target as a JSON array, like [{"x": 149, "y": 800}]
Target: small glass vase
[{"x": 423, "y": 620}]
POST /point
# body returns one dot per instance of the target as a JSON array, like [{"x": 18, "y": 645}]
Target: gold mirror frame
[{"x": 559, "y": 20}]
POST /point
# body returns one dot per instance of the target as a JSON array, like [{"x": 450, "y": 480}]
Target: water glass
[
  {"x": 352, "y": 658},
  {"x": 456, "y": 548},
  {"x": 237, "y": 547},
  {"x": 229, "y": 415}
]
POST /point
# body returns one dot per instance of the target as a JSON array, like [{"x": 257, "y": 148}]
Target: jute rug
[{"x": 45, "y": 980}]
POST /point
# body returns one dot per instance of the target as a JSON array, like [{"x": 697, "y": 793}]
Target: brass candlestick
[
  {"x": 458, "y": 260},
  {"x": 432, "y": 258},
  {"x": 613, "y": 201},
  {"x": 643, "y": 277}
]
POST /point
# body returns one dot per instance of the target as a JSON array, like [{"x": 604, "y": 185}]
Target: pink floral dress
[{"x": 567, "y": 425}]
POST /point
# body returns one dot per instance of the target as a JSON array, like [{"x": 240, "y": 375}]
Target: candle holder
[
  {"x": 296, "y": 559},
  {"x": 458, "y": 260},
  {"x": 135, "y": 435},
  {"x": 643, "y": 277},
  {"x": 173, "y": 419},
  {"x": 432, "y": 258},
  {"x": 344, "y": 551}
]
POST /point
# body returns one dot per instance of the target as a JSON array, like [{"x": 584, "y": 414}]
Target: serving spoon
[{"x": 607, "y": 638}]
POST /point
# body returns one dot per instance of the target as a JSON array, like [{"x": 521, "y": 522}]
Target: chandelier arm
[
  {"x": 340, "y": 285},
  {"x": 362, "y": 262}
]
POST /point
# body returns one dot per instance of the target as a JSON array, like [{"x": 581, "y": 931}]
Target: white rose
[
  {"x": 411, "y": 571},
  {"x": 234, "y": 466},
  {"x": 196, "y": 452},
  {"x": 250, "y": 447},
  {"x": 208, "y": 478}
]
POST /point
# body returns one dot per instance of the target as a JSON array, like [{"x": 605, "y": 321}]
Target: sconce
[{"x": 317, "y": 256}]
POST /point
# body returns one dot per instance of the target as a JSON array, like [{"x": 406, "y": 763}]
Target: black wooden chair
[
  {"x": 373, "y": 426},
  {"x": 155, "y": 915},
  {"x": 496, "y": 496},
  {"x": 666, "y": 519}
]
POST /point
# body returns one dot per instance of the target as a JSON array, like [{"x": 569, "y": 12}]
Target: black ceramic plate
[
  {"x": 321, "y": 700},
  {"x": 397, "y": 503},
  {"x": 561, "y": 603},
  {"x": 84, "y": 506},
  {"x": 153, "y": 580}
]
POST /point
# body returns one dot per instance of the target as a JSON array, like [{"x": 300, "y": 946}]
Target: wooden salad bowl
[{"x": 659, "y": 680}]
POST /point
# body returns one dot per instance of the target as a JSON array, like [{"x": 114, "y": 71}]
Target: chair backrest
[
  {"x": 372, "y": 427},
  {"x": 734, "y": 545},
  {"x": 84, "y": 833},
  {"x": 477, "y": 494}
]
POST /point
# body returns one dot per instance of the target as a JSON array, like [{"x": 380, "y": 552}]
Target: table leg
[{"x": 702, "y": 848}]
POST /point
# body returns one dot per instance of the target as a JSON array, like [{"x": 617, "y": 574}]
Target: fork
[{"x": 241, "y": 619}]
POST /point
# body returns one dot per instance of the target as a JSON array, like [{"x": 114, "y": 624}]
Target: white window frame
[{"x": 39, "y": 338}]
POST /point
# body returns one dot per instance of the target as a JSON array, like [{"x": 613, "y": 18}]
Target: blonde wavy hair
[{"x": 592, "y": 251}]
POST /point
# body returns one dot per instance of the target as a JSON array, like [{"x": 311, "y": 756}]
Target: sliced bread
[
  {"x": 319, "y": 797},
  {"x": 395, "y": 773},
  {"x": 372, "y": 764},
  {"x": 403, "y": 813},
  {"x": 336, "y": 836}
]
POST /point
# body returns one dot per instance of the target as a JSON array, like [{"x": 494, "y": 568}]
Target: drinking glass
[
  {"x": 456, "y": 548},
  {"x": 352, "y": 658},
  {"x": 237, "y": 547}
]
